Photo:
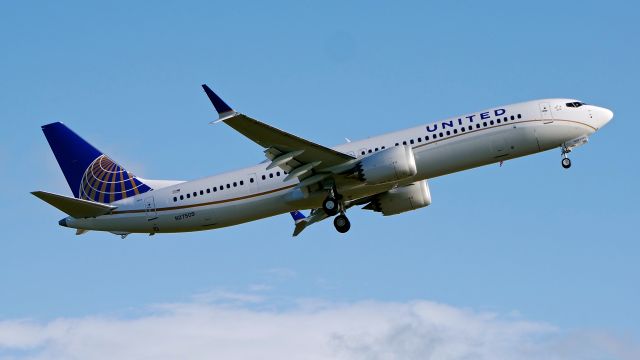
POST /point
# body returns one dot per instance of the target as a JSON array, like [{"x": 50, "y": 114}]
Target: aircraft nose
[{"x": 602, "y": 116}]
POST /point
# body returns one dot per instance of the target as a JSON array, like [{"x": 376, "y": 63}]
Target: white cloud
[{"x": 312, "y": 330}]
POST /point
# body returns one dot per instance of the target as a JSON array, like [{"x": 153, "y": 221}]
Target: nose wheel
[{"x": 566, "y": 162}]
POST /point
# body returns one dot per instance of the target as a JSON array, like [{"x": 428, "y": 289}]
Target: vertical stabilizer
[{"x": 91, "y": 175}]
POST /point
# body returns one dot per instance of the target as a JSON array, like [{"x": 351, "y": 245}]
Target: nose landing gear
[
  {"x": 566, "y": 162},
  {"x": 333, "y": 205}
]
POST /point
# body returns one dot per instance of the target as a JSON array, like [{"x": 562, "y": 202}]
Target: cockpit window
[{"x": 575, "y": 104}]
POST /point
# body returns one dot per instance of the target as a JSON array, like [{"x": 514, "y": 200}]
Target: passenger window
[
  {"x": 376, "y": 149},
  {"x": 221, "y": 187},
  {"x": 201, "y": 192},
  {"x": 435, "y": 136},
  {"x": 505, "y": 119},
  {"x": 426, "y": 138},
  {"x": 365, "y": 153},
  {"x": 264, "y": 177},
  {"x": 470, "y": 127},
  {"x": 491, "y": 122},
  {"x": 455, "y": 131},
  {"x": 383, "y": 148},
  {"x": 484, "y": 123},
  {"x": 396, "y": 145},
  {"x": 188, "y": 196},
  {"x": 278, "y": 173},
  {"x": 195, "y": 194},
  {"x": 419, "y": 139},
  {"x": 462, "y": 129},
  {"x": 215, "y": 189},
  {"x": 235, "y": 184},
  {"x": 175, "y": 199},
  {"x": 498, "y": 121},
  {"x": 448, "y": 132},
  {"x": 519, "y": 116},
  {"x": 228, "y": 186},
  {"x": 513, "y": 117},
  {"x": 181, "y": 197},
  {"x": 477, "y": 126},
  {"x": 251, "y": 180},
  {"x": 404, "y": 143},
  {"x": 369, "y": 151},
  {"x": 411, "y": 141},
  {"x": 208, "y": 191},
  {"x": 270, "y": 175}
]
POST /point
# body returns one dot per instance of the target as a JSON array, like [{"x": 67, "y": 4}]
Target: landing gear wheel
[
  {"x": 341, "y": 223},
  {"x": 566, "y": 163},
  {"x": 330, "y": 206}
]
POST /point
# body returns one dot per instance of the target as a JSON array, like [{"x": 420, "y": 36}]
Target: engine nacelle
[
  {"x": 388, "y": 165},
  {"x": 402, "y": 199}
]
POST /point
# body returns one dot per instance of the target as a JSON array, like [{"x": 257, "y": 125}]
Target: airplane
[{"x": 387, "y": 174}]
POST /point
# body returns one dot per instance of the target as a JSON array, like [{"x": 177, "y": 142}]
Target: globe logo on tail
[{"x": 105, "y": 181}]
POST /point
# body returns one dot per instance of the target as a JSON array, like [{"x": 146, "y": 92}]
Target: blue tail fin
[
  {"x": 297, "y": 215},
  {"x": 91, "y": 175}
]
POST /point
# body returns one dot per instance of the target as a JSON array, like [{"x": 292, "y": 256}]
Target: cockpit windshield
[{"x": 575, "y": 104}]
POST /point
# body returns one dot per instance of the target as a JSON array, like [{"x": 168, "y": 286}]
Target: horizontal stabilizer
[{"x": 77, "y": 208}]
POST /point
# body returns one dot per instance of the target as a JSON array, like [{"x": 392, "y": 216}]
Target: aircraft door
[
  {"x": 253, "y": 183},
  {"x": 150, "y": 208},
  {"x": 545, "y": 112}
]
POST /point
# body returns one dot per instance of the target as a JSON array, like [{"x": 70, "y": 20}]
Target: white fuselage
[{"x": 460, "y": 143}]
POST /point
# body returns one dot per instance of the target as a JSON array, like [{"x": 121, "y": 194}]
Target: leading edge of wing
[{"x": 268, "y": 136}]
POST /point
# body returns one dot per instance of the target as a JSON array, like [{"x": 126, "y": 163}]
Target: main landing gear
[
  {"x": 566, "y": 162},
  {"x": 333, "y": 205}
]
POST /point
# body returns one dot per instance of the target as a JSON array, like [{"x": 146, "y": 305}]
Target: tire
[
  {"x": 342, "y": 224},
  {"x": 566, "y": 163},
  {"x": 330, "y": 206}
]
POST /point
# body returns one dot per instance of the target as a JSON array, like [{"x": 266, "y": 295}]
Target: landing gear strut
[
  {"x": 333, "y": 205},
  {"x": 566, "y": 162}
]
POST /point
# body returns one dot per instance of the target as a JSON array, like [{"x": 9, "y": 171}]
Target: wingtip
[{"x": 220, "y": 106}]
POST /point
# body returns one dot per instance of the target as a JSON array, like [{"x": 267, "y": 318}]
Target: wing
[{"x": 301, "y": 158}]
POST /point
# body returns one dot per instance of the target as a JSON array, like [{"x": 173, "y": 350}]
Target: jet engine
[
  {"x": 402, "y": 199},
  {"x": 388, "y": 165}
]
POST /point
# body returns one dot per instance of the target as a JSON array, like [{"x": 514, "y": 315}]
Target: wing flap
[
  {"x": 77, "y": 208},
  {"x": 268, "y": 136}
]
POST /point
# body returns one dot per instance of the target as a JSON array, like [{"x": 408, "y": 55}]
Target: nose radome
[
  {"x": 602, "y": 117},
  {"x": 608, "y": 114}
]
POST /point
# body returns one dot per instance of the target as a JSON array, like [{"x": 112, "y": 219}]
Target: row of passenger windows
[
  {"x": 442, "y": 134},
  {"x": 362, "y": 152},
  {"x": 271, "y": 175},
  {"x": 449, "y": 132},
  {"x": 227, "y": 186}
]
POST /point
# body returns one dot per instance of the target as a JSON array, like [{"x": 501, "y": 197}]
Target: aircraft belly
[
  {"x": 552, "y": 135},
  {"x": 467, "y": 153}
]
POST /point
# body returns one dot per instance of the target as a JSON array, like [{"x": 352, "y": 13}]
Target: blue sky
[{"x": 528, "y": 241}]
